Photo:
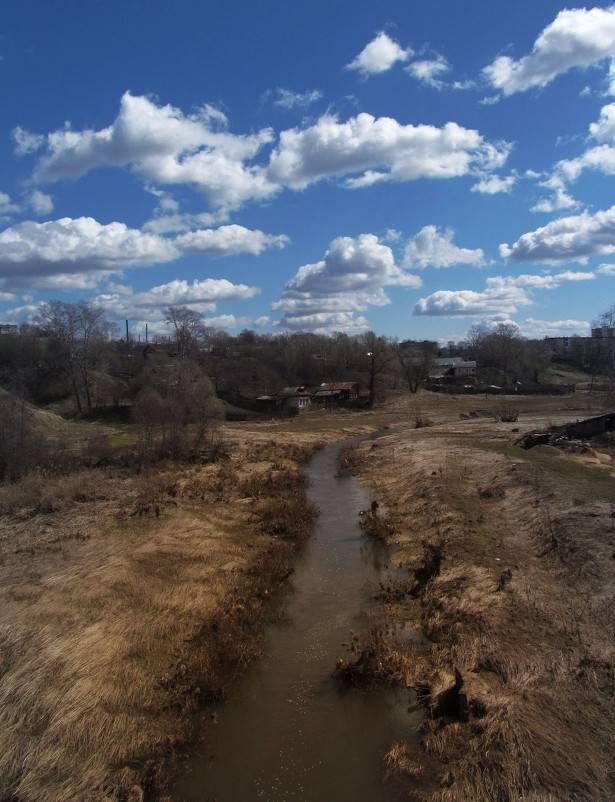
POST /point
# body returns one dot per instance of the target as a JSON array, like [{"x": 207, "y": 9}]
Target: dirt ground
[{"x": 128, "y": 599}]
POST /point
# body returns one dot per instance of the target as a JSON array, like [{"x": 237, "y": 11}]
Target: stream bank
[
  {"x": 291, "y": 731},
  {"x": 511, "y": 554}
]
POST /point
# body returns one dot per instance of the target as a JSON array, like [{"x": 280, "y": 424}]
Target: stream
[{"x": 290, "y": 732}]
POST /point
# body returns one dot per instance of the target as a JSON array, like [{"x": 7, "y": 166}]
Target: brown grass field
[
  {"x": 127, "y": 600},
  {"x": 512, "y": 579}
]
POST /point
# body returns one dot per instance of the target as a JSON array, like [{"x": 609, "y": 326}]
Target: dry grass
[
  {"x": 125, "y": 602},
  {"x": 514, "y": 585},
  {"x": 378, "y": 655},
  {"x": 376, "y": 523}
]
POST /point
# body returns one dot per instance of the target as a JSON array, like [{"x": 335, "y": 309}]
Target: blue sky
[{"x": 410, "y": 168}]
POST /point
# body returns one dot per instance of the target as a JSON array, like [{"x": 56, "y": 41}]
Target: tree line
[
  {"x": 73, "y": 352},
  {"x": 73, "y": 357}
]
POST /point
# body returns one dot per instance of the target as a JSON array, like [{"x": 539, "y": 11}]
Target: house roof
[
  {"x": 446, "y": 361},
  {"x": 339, "y": 385},
  {"x": 288, "y": 392},
  {"x": 161, "y": 348}
]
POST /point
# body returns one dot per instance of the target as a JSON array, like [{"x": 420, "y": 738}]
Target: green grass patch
[
  {"x": 121, "y": 438},
  {"x": 587, "y": 482}
]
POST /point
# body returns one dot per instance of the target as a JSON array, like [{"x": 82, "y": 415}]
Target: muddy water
[{"x": 290, "y": 732}]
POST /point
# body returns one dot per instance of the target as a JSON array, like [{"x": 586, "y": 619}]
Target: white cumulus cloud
[
  {"x": 231, "y": 239},
  {"x": 7, "y": 207},
  {"x": 560, "y": 197},
  {"x": 576, "y": 38},
  {"x": 503, "y": 295},
  {"x": 431, "y": 248},
  {"x": 535, "y": 329},
  {"x": 599, "y": 158},
  {"x": 72, "y": 245},
  {"x": 26, "y": 141},
  {"x": 227, "y": 322},
  {"x": 494, "y": 184},
  {"x": 379, "y": 55},
  {"x": 43, "y": 255},
  {"x": 574, "y": 238},
  {"x": 379, "y": 149},
  {"x": 351, "y": 264},
  {"x": 288, "y": 99},
  {"x": 498, "y": 298},
  {"x": 429, "y": 71},
  {"x": 166, "y": 147},
  {"x": 163, "y": 145},
  {"x": 40, "y": 202},
  {"x": 203, "y": 296},
  {"x": 604, "y": 129},
  {"x": 349, "y": 279}
]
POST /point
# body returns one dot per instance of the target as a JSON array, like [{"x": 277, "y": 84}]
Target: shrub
[
  {"x": 507, "y": 413},
  {"x": 22, "y": 446}
]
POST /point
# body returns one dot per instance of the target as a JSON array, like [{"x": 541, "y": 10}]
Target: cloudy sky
[{"x": 411, "y": 168}]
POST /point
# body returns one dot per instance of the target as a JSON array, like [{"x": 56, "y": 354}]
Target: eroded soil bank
[{"x": 512, "y": 577}]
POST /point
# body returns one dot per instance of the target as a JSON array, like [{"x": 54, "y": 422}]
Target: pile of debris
[{"x": 570, "y": 436}]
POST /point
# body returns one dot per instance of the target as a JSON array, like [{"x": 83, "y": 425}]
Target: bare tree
[
  {"x": 175, "y": 408},
  {"x": 473, "y": 341},
  {"x": 501, "y": 348},
  {"x": 22, "y": 445},
  {"x": 378, "y": 354},
  {"x": 76, "y": 328},
  {"x": 189, "y": 329},
  {"x": 416, "y": 360},
  {"x": 535, "y": 358},
  {"x": 605, "y": 319}
]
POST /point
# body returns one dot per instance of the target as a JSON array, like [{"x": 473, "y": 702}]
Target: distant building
[
  {"x": 159, "y": 350},
  {"x": 452, "y": 368},
  {"x": 8, "y": 328},
  {"x": 561, "y": 346},
  {"x": 600, "y": 347},
  {"x": 337, "y": 392},
  {"x": 303, "y": 398},
  {"x": 289, "y": 398},
  {"x": 298, "y": 398},
  {"x": 604, "y": 332}
]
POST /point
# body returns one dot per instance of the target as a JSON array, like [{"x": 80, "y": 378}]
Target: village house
[
  {"x": 298, "y": 398},
  {"x": 302, "y": 398},
  {"x": 289, "y": 399},
  {"x": 452, "y": 369},
  {"x": 334, "y": 393}
]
